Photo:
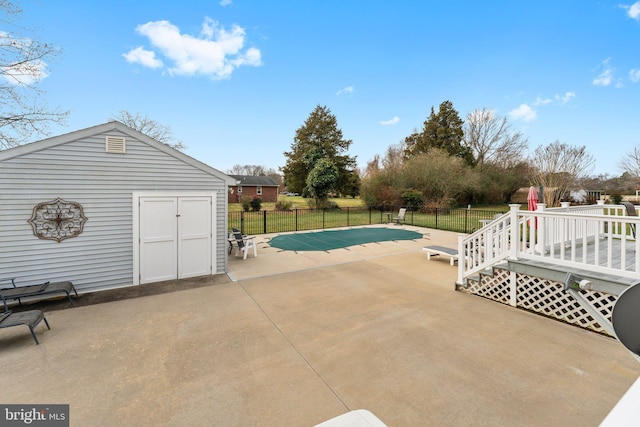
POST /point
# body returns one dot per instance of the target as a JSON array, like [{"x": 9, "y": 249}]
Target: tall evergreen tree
[
  {"x": 442, "y": 130},
  {"x": 318, "y": 138}
]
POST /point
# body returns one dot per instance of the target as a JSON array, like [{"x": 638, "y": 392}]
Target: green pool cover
[{"x": 335, "y": 239}]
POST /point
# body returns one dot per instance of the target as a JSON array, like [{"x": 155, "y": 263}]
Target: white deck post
[
  {"x": 514, "y": 231},
  {"x": 462, "y": 259},
  {"x": 542, "y": 238}
]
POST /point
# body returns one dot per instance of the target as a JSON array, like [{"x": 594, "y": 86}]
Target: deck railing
[{"x": 596, "y": 237}]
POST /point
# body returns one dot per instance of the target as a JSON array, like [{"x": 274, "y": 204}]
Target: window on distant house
[
  {"x": 259, "y": 190},
  {"x": 239, "y": 189}
]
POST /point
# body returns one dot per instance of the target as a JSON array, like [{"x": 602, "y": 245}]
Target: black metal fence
[{"x": 273, "y": 221}]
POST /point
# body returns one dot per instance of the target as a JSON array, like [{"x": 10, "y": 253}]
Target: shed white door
[{"x": 175, "y": 238}]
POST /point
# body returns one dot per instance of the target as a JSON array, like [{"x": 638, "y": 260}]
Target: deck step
[
  {"x": 474, "y": 278},
  {"x": 488, "y": 272},
  {"x": 603, "y": 282},
  {"x": 501, "y": 266}
]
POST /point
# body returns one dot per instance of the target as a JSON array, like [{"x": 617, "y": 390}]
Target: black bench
[
  {"x": 45, "y": 290},
  {"x": 30, "y": 318}
]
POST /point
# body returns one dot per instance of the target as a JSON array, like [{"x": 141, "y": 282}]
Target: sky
[{"x": 235, "y": 79}]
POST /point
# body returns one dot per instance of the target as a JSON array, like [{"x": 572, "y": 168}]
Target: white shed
[{"x": 108, "y": 207}]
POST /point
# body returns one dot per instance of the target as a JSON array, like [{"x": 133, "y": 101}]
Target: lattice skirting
[{"x": 545, "y": 297}]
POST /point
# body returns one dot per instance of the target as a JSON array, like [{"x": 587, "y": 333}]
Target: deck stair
[{"x": 571, "y": 265}]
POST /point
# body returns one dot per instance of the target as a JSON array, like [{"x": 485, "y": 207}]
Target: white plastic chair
[
  {"x": 243, "y": 243},
  {"x": 400, "y": 217}
]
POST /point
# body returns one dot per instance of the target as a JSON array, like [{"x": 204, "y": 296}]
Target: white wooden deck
[{"x": 596, "y": 240}]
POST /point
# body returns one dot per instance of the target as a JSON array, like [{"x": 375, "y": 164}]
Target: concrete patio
[{"x": 294, "y": 339}]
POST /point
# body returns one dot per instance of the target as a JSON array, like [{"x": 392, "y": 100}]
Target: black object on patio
[
  {"x": 45, "y": 290},
  {"x": 30, "y": 318}
]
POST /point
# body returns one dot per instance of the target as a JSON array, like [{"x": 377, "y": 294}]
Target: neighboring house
[
  {"x": 108, "y": 207},
  {"x": 264, "y": 187},
  {"x": 583, "y": 196},
  {"x": 520, "y": 196}
]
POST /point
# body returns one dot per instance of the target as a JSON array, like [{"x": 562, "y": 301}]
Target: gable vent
[{"x": 116, "y": 144}]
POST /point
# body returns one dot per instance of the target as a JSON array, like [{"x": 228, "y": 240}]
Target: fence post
[
  {"x": 242, "y": 222},
  {"x": 347, "y": 216},
  {"x": 264, "y": 221},
  {"x": 323, "y": 211},
  {"x": 296, "y": 210},
  {"x": 466, "y": 220}
]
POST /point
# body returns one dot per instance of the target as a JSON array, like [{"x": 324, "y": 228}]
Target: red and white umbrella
[
  {"x": 532, "y": 199},
  {"x": 532, "y": 204}
]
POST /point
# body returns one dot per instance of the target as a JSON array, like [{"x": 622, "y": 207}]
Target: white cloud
[
  {"x": 559, "y": 99},
  {"x": 216, "y": 52},
  {"x": 634, "y": 75},
  {"x": 391, "y": 121},
  {"x": 143, "y": 57},
  {"x": 225, "y": 2},
  {"x": 634, "y": 10},
  {"x": 524, "y": 112},
  {"x": 348, "y": 89},
  {"x": 540, "y": 101},
  {"x": 605, "y": 78},
  {"x": 22, "y": 73},
  {"x": 563, "y": 99}
]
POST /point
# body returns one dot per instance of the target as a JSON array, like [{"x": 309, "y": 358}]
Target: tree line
[{"x": 449, "y": 162}]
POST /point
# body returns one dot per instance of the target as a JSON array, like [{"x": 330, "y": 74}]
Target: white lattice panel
[
  {"x": 545, "y": 297},
  {"x": 494, "y": 287}
]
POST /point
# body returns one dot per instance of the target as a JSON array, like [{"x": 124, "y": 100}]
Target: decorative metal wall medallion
[{"x": 57, "y": 220}]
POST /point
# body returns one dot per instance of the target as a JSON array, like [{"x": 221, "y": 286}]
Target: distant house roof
[{"x": 248, "y": 180}]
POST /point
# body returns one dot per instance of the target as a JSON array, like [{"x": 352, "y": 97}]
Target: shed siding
[{"x": 103, "y": 183}]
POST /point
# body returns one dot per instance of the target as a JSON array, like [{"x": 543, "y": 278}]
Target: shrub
[
  {"x": 283, "y": 205},
  {"x": 414, "y": 199},
  {"x": 323, "y": 204},
  {"x": 616, "y": 198},
  {"x": 256, "y": 203},
  {"x": 245, "y": 201}
]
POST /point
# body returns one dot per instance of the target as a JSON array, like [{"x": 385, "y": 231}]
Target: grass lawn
[
  {"x": 353, "y": 213},
  {"x": 301, "y": 203}
]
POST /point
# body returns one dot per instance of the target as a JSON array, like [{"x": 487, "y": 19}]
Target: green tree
[
  {"x": 443, "y": 131},
  {"x": 352, "y": 186},
  {"x": 318, "y": 138},
  {"x": 321, "y": 180},
  {"x": 414, "y": 199}
]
